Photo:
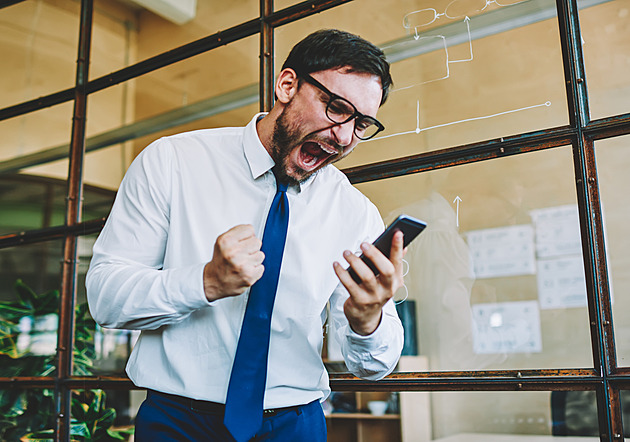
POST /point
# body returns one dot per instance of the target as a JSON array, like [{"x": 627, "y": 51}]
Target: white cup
[{"x": 377, "y": 408}]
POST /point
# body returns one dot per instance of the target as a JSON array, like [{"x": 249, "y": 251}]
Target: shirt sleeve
[
  {"x": 369, "y": 357},
  {"x": 374, "y": 356},
  {"x": 126, "y": 285}
]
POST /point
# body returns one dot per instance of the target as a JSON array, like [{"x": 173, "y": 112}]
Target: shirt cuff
[
  {"x": 187, "y": 290},
  {"x": 369, "y": 342}
]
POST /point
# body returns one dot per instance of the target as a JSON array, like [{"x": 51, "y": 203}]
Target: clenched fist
[{"x": 236, "y": 263}]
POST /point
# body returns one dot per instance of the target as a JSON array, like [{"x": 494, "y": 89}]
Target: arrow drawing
[{"x": 457, "y": 200}]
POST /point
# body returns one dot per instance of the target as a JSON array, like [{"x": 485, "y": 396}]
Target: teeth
[
  {"x": 311, "y": 161},
  {"x": 328, "y": 150}
]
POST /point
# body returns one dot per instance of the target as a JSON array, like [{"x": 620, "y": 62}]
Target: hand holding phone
[{"x": 411, "y": 228}]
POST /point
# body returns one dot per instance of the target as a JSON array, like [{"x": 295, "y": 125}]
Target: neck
[{"x": 265, "y": 127}]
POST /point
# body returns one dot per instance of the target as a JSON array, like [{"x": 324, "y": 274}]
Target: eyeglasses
[{"x": 340, "y": 111}]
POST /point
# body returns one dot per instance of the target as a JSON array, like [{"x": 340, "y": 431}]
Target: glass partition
[
  {"x": 613, "y": 160},
  {"x": 497, "y": 276},
  {"x": 496, "y": 282}
]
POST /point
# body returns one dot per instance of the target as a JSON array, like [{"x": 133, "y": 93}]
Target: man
[{"x": 181, "y": 253}]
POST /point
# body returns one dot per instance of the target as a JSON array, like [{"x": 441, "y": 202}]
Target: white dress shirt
[{"x": 146, "y": 273}]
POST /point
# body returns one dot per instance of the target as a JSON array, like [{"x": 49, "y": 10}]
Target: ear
[{"x": 286, "y": 85}]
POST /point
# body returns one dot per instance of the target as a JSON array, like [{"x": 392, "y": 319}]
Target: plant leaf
[
  {"x": 80, "y": 429},
  {"x": 26, "y": 295},
  {"x": 39, "y": 436}
]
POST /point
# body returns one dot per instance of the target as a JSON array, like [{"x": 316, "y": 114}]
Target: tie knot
[{"x": 280, "y": 185}]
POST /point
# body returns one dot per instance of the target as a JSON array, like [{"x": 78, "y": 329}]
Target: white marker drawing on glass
[
  {"x": 456, "y": 10},
  {"x": 418, "y": 130}
]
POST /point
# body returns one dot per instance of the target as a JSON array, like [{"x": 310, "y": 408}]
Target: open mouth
[{"x": 313, "y": 154}]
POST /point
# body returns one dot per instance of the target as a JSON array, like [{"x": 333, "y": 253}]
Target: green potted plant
[{"x": 28, "y": 415}]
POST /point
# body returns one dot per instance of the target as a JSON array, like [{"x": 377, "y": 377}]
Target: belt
[{"x": 214, "y": 407}]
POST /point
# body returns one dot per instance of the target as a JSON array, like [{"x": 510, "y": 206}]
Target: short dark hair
[{"x": 331, "y": 49}]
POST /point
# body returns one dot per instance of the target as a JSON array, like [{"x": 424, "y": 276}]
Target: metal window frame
[{"x": 605, "y": 377}]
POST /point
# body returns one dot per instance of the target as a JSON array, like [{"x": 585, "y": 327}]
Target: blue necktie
[{"x": 246, "y": 390}]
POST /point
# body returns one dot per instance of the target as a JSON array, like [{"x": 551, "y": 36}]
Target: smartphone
[{"x": 409, "y": 226}]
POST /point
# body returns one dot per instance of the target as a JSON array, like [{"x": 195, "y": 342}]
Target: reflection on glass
[
  {"x": 612, "y": 163},
  {"x": 605, "y": 36},
  {"x": 497, "y": 275}
]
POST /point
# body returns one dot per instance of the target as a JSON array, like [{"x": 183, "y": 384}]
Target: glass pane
[
  {"x": 605, "y": 36},
  {"x": 34, "y": 133},
  {"x": 132, "y": 33},
  {"x": 612, "y": 162},
  {"x": 492, "y": 416},
  {"x": 26, "y": 411},
  {"x": 452, "y": 87},
  {"x": 98, "y": 423},
  {"x": 497, "y": 276},
  {"x": 38, "y": 41},
  {"x": 33, "y": 202},
  {"x": 281, "y": 4},
  {"x": 114, "y": 37},
  {"x": 29, "y": 302},
  {"x": 195, "y": 79}
]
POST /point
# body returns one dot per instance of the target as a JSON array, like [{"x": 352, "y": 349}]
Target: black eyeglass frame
[{"x": 356, "y": 115}]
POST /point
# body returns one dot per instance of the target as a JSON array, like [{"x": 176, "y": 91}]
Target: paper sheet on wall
[
  {"x": 503, "y": 251},
  {"x": 561, "y": 282},
  {"x": 507, "y": 327},
  {"x": 557, "y": 231},
  {"x": 560, "y": 267}
]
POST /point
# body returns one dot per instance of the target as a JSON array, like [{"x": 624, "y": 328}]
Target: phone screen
[{"x": 411, "y": 228}]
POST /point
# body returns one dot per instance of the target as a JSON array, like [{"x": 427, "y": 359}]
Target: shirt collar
[{"x": 258, "y": 159}]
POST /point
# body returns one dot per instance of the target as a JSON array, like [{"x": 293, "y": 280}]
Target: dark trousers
[{"x": 164, "y": 417}]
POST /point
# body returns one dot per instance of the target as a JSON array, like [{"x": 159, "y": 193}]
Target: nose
[{"x": 344, "y": 133}]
